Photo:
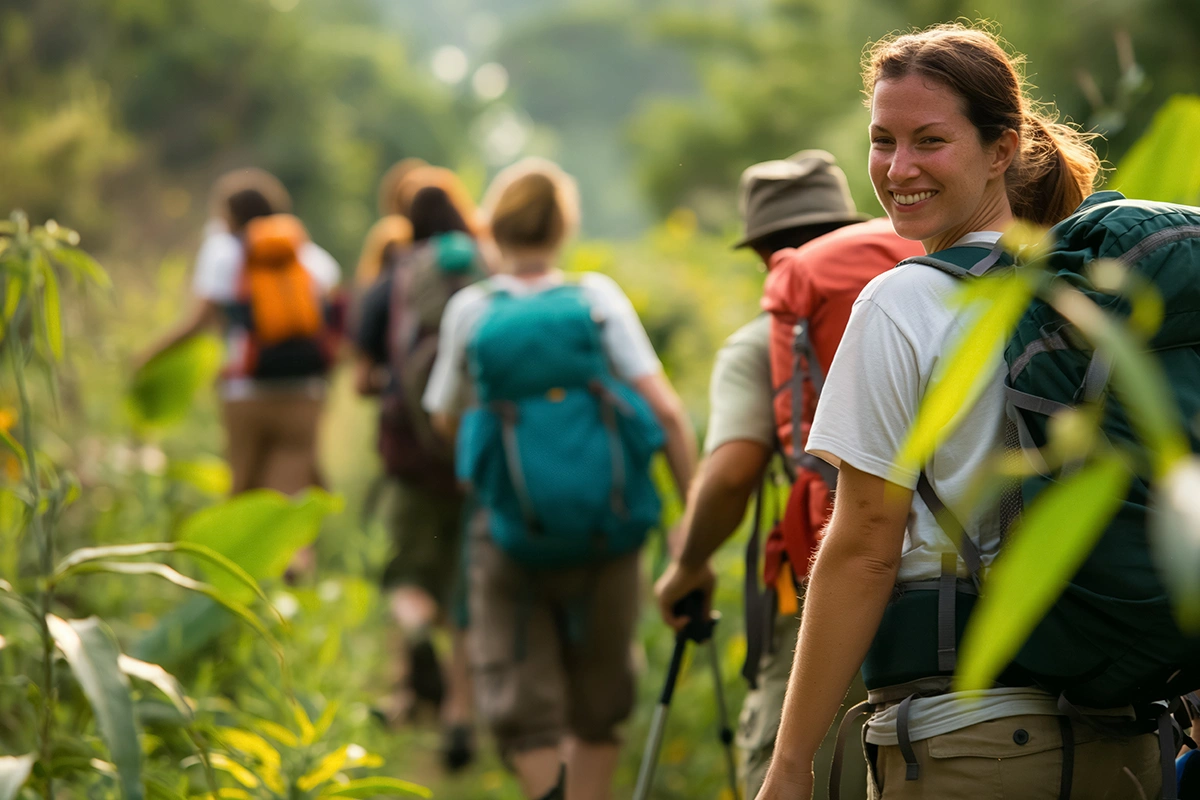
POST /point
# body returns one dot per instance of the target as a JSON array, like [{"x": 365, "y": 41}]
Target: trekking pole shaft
[
  {"x": 725, "y": 732},
  {"x": 659, "y": 722}
]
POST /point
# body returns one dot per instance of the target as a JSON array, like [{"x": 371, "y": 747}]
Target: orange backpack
[
  {"x": 286, "y": 323},
  {"x": 809, "y": 293}
]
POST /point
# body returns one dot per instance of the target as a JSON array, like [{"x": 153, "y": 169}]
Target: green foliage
[
  {"x": 92, "y": 652},
  {"x": 1164, "y": 164},
  {"x": 163, "y": 391}
]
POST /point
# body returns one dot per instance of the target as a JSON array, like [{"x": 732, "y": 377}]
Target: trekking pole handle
[{"x": 698, "y": 629}]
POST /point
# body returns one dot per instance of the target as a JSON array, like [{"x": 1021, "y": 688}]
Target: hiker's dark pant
[
  {"x": 992, "y": 760},
  {"x": 426, "y": 527},
  {"x": 550, "y": 650}
]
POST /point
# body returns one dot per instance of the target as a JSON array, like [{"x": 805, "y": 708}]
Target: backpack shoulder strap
[{"x": 964, "y": 262}]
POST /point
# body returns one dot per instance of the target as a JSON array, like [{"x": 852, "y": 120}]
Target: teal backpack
[
  {"x": 557, "y": 450},
  {"x": 1111, "y": 639}
]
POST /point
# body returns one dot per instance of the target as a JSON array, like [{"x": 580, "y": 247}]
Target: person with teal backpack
[
  {"x": 958, "y": 153},
  {"x": 558, "y": 403}
]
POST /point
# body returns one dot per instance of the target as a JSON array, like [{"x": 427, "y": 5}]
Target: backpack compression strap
[
  {"x": 804, "y": 354},
  {"x": 950, "y": 258}
]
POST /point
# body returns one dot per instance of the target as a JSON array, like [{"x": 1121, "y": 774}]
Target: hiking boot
[
  {"x": 458, "y": 747},
  {"x": 425, "y": 674}
]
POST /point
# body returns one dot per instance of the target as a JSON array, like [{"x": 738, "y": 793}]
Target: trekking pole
[
  {"x": 723, "y": 729},
  {"x": 697, "y": 630}
]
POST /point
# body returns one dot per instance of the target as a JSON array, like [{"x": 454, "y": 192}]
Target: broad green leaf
[
  {"x": 52, "y": 312},
  {"x": 1045, "y": 550},
  {"x": 160, "y": 678},
  {"x": 1138, "y": 380},
  {"x": 374, "y": 787},
  {"x": 969, "y": 369},
  {"x": 326, "y": 768},
  {"x": 210, "y": 475},
  {"x": 163, "y": 390},
  {"x": 1164, "y": 164},
  {"x": 14, "y": 771},
  {"x": 159, "y": 790},
  {"x": 199, "y": 551},
  {"x": 1175, "y": 534},
  {"x": 183, "y": 581},
  {"x": 183, "y": 631},
  {"x": 91, "y": 651},
  {"x": 260, "y": 531}
]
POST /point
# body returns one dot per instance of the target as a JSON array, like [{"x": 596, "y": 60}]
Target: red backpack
[{"x": 809, "y": 292}]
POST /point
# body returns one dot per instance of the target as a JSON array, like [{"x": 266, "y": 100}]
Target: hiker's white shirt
[
  {"x": 625, "y": 341},
  {"x": 217, "y": 278},
  {"x": 903, "y": 325}
]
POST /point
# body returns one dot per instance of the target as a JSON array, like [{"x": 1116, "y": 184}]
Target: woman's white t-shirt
[
  {"x": 900, "y": 329},
  {"x": 625, "y": 341}
]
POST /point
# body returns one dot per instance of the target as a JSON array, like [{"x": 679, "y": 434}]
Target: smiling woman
[{"x": 957, "y": 153}]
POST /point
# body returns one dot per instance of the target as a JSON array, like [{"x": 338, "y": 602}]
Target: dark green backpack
[{"x": 1111, "y": 639}]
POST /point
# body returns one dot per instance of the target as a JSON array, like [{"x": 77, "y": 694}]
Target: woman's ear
[{"x": 1004, "y": 150}]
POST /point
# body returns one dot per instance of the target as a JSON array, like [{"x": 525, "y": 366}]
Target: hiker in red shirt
[{"x": 800, "y": 219}]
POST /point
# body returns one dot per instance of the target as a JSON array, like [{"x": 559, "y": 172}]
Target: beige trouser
[
  {"x": 761, "y": 712},
  {"x": 272, "y": 441},
  {"x": 1019, "y": 758}
]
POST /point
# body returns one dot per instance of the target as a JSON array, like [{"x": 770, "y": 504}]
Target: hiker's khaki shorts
[
  {"x": 426, "y": 527},
  {"x": 271, "y": 441},
  {"x": 987, "y": 760},
  {"x": 550, "y": 651}
]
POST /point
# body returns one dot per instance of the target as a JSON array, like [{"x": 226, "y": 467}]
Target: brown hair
[
  {"x": 403, "y": 181},
  {"x": 385, "y": 240},
  {"x": 533, "y": 205},
  {"x": 1055, "y": 167},
  {"x": 245, "y": 194}
]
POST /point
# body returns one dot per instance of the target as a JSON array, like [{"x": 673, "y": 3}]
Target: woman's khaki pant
[
  {"x": 272, "y": 441},
  {"x": 1019, "y": 758}
]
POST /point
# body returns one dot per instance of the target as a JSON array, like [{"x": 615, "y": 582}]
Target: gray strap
[
  {"x": 947, "y": 650},
  {"x": 512, "y": 457},
  {"x": 839, "y": 748},
  {"x": 1095, "y": 380},
  {"x": 615, "y": 449},
  {"x": 1047, "y": 343},
  {"x": 950, "y": 524},
  {"x": 912, "y": 768},
  {"x": 1068, "y": 758},
  {"x": 827, "y": 471},
  {"x": 1031, "y": 402},
  {"x": 1166, "y": 745},
  {"x": 1028, "y": 446},
  {"x": 989, "y": 261},
  {"x": 961, "y": 586}
]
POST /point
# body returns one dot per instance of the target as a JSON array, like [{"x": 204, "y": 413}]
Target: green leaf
[
  {"x": 162, "y": 391},
  {"x": 14, "y": 771},
  {"x": 82, "y": 266},
  {"x": 970, "y": 368},
  {"x": 371, "y": 787},
  {"x": 166, "y": 573},
  {"x": 199, "y": 551},
  {"x": 259, "y": 530},
  {"x": 1046, "y": 549},
  {"x": 13, "y": 291},
  {"x": 15, "y": 446},
  {"x": 1164, "y": 164},
  {"x": 159, "y": 790},
  {"x": 1175, "y": 535},
  {"x": 159, "y": 677},
  {"x": 210, "y": 475},
  {"x": 324, "y": 771},
  {"x": 92, "y": 652},
  {"x": 52, "y": 311},
  {"x": 1137, "y": 379}
]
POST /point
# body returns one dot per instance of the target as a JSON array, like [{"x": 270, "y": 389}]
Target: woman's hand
[{"x": 784, "y": 784}]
